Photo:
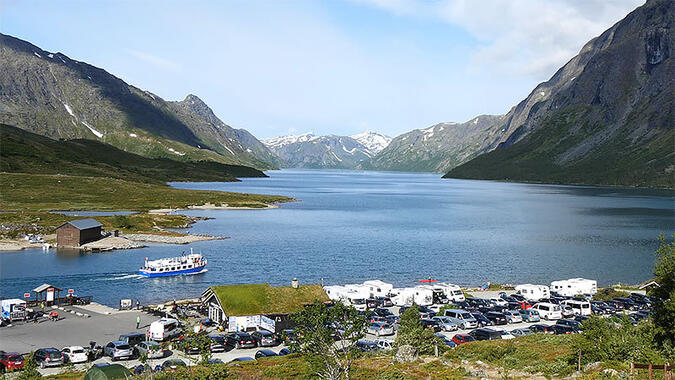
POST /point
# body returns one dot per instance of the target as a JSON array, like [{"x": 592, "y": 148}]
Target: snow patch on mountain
[{"x": 374, "y": 141}]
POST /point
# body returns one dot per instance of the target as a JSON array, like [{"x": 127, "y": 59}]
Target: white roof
[{"x": 43, "y": 287}]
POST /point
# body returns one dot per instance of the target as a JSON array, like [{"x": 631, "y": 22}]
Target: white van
[
  {"x": 533, "y": 292},
  {"x": 461, "y": 318},
  {"x": 548, "y": 311},
  {"x": 579, "y": 307},
  {"x": 164, "y": 329}
]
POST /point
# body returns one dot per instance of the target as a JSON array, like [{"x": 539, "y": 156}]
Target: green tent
[{"x": 107, "y": 372}]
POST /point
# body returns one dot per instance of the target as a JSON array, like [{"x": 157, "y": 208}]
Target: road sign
[
  {"x": 26, "y": 295},
  {"x": 71, "y": 291}
]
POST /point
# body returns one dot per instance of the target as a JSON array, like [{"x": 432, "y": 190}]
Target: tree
[
  {"x": 30, "y": 371},
  {"x": 412, "y": 332},
  {"x": 664, "y": 310},
  {"x": 326, "y": 335}
]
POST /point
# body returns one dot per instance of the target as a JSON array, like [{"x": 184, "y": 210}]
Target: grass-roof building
[{"x": 259, "y": 306}]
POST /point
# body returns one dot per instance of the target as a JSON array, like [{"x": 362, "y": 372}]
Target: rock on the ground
[
  {"x": 167, "y": 239},
  {"x": 112, "y": 242},
  {"x": 406, "y": 354}
]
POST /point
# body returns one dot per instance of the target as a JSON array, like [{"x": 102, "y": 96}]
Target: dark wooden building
[{"x": 78, "y": 232}]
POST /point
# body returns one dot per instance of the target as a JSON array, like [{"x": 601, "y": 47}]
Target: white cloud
[
  {"x": 527, "y": 37},
  {"x": 154, "y": 60}
]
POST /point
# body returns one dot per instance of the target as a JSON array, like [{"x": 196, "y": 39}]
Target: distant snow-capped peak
[
  {"x": 286, "y": 140},
  {"x": 374, "y": 141}
]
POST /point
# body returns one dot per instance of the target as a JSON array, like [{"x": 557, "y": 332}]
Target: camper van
[
  {"x": 452, "y": 292},
  {"x": 13, "y": 309},
  {"x": 378, "y": 288},
  {"x": 548, "y": 311},
  {"x": 533, "y": 292},
  {"x": 574, "y": 287},
  {"x": 164, "y": 329},
  {"x": 579, "y": 307},
  {"x": 351, "y": 295},
  {"x": 408, "y": 296},
  {"x": 437, "y": 294}
]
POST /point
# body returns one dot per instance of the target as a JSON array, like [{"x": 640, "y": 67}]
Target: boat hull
[{"x": 190, "y": 271}]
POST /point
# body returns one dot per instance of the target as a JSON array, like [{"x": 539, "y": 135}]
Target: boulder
[{"x": 405, "y": 354}]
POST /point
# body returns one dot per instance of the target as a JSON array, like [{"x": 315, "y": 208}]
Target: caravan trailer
[
  {"x": 452, "y": 292},
  {"x": 378, "y": 288},
  {"x": 533, "y": 292},
  {"x": 574, "y": 287},
  {"x": 408, "y": 296},
  {"x": 351, "y": 295}
]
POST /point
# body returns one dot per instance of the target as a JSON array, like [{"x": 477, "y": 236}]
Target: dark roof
[{"x": 83, "y": 224}]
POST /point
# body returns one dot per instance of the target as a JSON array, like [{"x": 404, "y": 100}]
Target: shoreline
[{"x": 209, "y": 206}]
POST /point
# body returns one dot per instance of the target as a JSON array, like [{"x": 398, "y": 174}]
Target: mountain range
[
  {"x": 58, "y": 97},
  {"x": 328, "y": 152}
]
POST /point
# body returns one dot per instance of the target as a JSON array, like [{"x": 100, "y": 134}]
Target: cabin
[
  {"x": 78, "y": 232},
  {"x": 250, "y": 307}
]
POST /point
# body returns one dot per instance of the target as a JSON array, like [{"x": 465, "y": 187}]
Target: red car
[
  {"x": 462, "y": 338},
  {"x": 11, "y": 361}
]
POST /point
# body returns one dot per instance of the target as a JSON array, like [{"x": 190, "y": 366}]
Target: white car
[
  {"x": 74, "y": 354},
  {"x": 385, "y": 344},
  {"x": 505, "y": 334},
  {"x": 499, "y": 302},
  {"x": 380, "y": 329}
]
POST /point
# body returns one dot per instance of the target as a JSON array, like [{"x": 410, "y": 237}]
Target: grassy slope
[
  {"x": 22, "y": 151},
  {"x": 253, "y": 299},
  {"x": 31, "y": 192},
  {"x": 617, "y": 161}
]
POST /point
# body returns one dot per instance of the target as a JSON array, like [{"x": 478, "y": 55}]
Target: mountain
[
  {"x": 25, "y": 152},
  {"x": 329, "y": 152},
  {"x": 437, "y": 148},
  {"x": 373, "y": 141},
  {"x": 606, "y": 117},
  {"x": 55, "y": 96}
]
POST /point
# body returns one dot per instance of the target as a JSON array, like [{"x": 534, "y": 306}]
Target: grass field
[
  {"x": 253, "y": 299},
  {"x": 33, "y": 192}
]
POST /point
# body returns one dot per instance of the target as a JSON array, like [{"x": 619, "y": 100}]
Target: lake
[{"x": 351, "y": 226}]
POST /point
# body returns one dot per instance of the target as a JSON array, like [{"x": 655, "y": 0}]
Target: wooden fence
[{"x": 666, "y": 368}]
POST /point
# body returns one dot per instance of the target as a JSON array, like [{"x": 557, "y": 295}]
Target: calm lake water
[{"x": 352, "y": 226}]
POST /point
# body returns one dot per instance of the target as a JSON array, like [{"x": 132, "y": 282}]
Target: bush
[{"x": 412, "y": 332}]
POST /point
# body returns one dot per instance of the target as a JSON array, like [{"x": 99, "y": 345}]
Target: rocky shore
[{"x": 168, "y": 239}]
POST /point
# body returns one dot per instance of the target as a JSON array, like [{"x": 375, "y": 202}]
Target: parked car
[
  {"x": 581, "y": 318},
  {"x": 132, "y": 339},
  {"x": 462, "y": 338},
  {"x": 445, "y": 323},
  {"x": 548, "y": 311},
  {"x": 513, "y": 316},
  {"x": 171, "y": 365},
  {"x": 265, "y": 353},
  {"x": 284, "y": 351},
  {"x": 482, "y": 320},
  {"x": 505, "y": 334},
  {"x": 264, "y": 338},
  {"x": 243, "y": 359},
  {"x": 367, "y": 346},
  {"x": 11, "y": 361},
  {"x": 446, "y": 341},
  {"x": 287, "y": 336},
  {"x": 377, "y": 318},
  {"x": 562, "y": 329},
  {"x": 48, "y": 357},
  {"x": 461, "y": 318},
  {"x": 151, "y": 349},
  {"x": 626, "y": 303},
  {"x": 541, "y": 328},
  {"x": 74, "y": 354},
  {"x": 241, "y": 340},
  {"x": 372, "y": 303},
  {"x": 579, "y": 307},
  {"x": 529, "y": 315},
  {"x": 566, "y": 311},
  {"x": 380, "y": 329},
  {"x": 384, "y": 344},
  {"x": 118, "y": 350},
  {"x": 382, "y": 312},
  {"x": 641, "y": 299},
  {"x": 431, "y": 324},
  {"x": 521, "y": 332},
  {"x": 485, "y": 333},
  {"x": 498, "y": 302},
  {"x": 164, "y": 329},
  {"x": 496, "y": 318},
  {"x": 217, "y": 343},
  {"x": 189, "y": 345},
  {"x": 574, "y": 325},
  {"x": 385, "y": 301}
]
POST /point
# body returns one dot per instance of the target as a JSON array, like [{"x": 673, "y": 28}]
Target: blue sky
[{"x": 331, "y": 67}]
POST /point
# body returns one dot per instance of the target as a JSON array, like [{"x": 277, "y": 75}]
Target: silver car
[
  {"x": 513, "y": 316},
  {"x": 151, "y": 349},
  {"x": 380, "y": 329},
  {"x": 118, "y": 350},
  {"x": 445, "y": 323}
]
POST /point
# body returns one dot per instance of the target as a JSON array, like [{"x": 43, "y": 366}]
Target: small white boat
[{"x": 194, "y": 263}]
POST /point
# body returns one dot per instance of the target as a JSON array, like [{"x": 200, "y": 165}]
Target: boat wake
[{"x": 122, "y": 277}]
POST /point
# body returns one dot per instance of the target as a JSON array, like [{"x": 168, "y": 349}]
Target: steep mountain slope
[
  {"x": 53, "y": 95},
  {"x": 606, "y": 117},
  {"x": 437, "y": 148},
  {"x": 317, "y": 152},
  {"x": 25, "y": 152}
]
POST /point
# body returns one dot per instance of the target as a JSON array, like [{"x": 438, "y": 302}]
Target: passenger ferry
[{"x": 194, "y": 263}]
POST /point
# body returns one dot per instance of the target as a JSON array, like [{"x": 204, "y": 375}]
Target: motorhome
[
  {"x": 351, "y": 295},
  {"x": 13, "y": 309},
  {"x": 438, "y": 295},
  {"x": 452, "y": 292},
  {"x": 408, "y": 296},
  {"x": 164, "y": 329},
  {"x": 533, "y": 292},
  {"x": 378, "y": 288},
  {"x": 574, "y": 287}
]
